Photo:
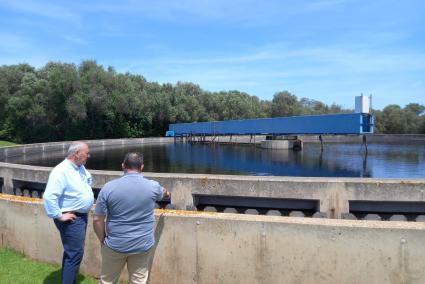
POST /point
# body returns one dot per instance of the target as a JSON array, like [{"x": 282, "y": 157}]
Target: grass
[
  {"x": 6, "y": 143},
  {"x": 16, "y": 268}
]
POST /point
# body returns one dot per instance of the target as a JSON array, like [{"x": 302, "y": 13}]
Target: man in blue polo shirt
[
  {"x": 128, "y": 204},
  {"x": 67, "y": 199}
]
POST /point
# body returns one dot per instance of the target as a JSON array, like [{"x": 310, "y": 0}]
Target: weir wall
[{"x": 233, "y": 248}]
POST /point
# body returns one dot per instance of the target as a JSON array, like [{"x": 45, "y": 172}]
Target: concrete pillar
[
  {"x": 191, "y": 208},
  {"x": 296, "y": 214},
  {"x": 210, "y": 209},
  {"x": 18, "y": 191},
  {"x": 282, "y": 142},
  {"x": 7, "y": 181},
  {"x": 335, "y": 202},
  {"x": 181, "y": 195},
  {"x": 398, "y": 217},
  {"x": 274, "y": 212},
  {"x": 320, "y": 215},
  {"x": 230, "y": 210},
  {"x": 348, "y": 216},
  {"x": 252, "y": 211},
  {"x": 374, "y": 217},
  {"x": 420, "y": 218},
  {"x": 276, "y": 144}
]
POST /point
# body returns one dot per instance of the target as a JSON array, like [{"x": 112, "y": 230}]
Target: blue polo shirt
[
  {"x": 128, "y": 204},
  {"x": 68, "y": 189}
]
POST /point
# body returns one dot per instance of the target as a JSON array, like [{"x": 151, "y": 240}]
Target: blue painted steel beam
[{"x": 351, "y": 123}]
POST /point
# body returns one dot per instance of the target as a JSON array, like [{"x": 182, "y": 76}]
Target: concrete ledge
[
  {"x": 230, "y": 248},
  {"x": 333, "y": 194}
]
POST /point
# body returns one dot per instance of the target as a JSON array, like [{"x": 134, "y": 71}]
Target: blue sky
[{"x": 328, "y": 50}]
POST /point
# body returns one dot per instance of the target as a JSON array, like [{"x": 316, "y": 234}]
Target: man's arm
[
  {"x": 54, "y": 189},
  {"x": 100, "y": 212},
  {"x": 99, "y": 227}
]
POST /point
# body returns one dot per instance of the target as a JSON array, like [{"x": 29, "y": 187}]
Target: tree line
[{"x": 62, "y": 101}]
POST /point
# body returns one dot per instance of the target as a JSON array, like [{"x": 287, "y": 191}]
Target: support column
[
  {"x": 282, "y": 142},
  {"x": 7, "y": 182}
]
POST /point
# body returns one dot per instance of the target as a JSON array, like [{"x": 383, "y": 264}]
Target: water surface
[{"x": 337, "y": 160}]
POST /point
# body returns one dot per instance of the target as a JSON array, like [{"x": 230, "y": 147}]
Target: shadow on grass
[{"x": 55, "y": 277}]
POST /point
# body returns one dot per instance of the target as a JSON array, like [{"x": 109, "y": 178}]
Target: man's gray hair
[{"x": 74, "y": 147}]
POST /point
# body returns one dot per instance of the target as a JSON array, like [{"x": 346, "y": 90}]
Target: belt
[{"x": 76, "y": 213}]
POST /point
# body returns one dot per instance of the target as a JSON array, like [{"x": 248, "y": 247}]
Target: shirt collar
[
  {"x": 133, "y": 174},
  {"x": 74, "y": 166}
]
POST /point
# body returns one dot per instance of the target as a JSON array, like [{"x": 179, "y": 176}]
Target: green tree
[
  {"x": 393, "y": 120},
  {"x": 415, "y": 108},
  {"x": 237, "y": 105},
  {"x": 286, "y": 104},
  {"x": 63, "y": 102},
  {"x": 28, "y": 111},
  {"x": 378, "y": 128},
  {"x": 413, "y": 120},
  {"x": 10, "y": 83}
]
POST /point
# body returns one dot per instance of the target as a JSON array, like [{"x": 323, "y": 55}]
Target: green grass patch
[
  {"x": 15, "y": 268},
  {"x": 6, "y": 143}
]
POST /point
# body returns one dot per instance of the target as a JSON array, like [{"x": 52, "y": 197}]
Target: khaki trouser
[{"x": 113, "y": 262}]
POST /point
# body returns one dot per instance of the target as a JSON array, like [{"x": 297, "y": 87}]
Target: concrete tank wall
[
  {"x": 333, "y": 194},
  {"x": 230, "y": 248},
  {"x": 37, "y": 148},
  {"x": 370, "y": 138}
]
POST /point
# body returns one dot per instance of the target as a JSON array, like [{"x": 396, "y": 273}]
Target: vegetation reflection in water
[{"x": 337, "y": 160}]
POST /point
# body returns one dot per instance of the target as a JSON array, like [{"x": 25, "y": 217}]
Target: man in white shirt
[{"x": 68, "y": 197}]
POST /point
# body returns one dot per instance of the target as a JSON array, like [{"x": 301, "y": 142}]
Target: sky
[{"x": 327, "y": 50}]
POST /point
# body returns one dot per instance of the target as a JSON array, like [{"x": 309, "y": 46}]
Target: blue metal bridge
[{"x": 351, "y": 123}]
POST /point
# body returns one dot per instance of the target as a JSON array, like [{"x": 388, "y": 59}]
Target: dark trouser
[{"x": 73, "y": 234}]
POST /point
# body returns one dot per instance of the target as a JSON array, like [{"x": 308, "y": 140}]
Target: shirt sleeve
[
  {"x": 101, "y": 208},
  {"x": 54, "y": 190},
  {"x": 158, "y": 190}
]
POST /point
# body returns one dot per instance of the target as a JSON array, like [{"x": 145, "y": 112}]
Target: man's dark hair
[{"x": 133, "y": 161}]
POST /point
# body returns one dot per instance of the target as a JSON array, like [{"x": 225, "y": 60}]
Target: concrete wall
[
  {"x": 370, "y": 138},
  {"x": 37, "y": 148},
  {"x": 229, "y": 248},
  {"x": 333, "y": 194}
]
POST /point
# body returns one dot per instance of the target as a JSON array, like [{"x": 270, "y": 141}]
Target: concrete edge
[{"x": 396, "y": 225}]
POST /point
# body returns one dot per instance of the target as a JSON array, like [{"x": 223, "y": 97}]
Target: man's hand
[
  {"x": 165, "y": 193},
  {"x": 69, "y": 216}
]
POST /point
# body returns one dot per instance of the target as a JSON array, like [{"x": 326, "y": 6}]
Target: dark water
[{"x": 337, "y": 160}]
